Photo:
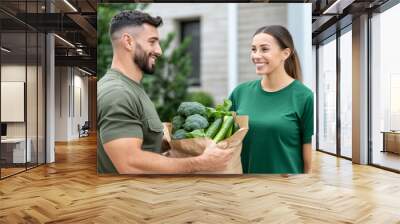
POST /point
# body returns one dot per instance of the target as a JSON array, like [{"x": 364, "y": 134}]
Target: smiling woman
[
  {"x": 279, "y": 106},
  {"x": 276, "y": 46}
]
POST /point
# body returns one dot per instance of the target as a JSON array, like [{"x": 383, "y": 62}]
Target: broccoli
[
  {"x": 191, "y": 108},
  {"x": 179, "y": 134},
  {"x": 177, "y": 122},
  {"x": 194, "y": 122}
]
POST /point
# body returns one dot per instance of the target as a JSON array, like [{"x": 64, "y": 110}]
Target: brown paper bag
[{"x": 195, "y": 146}]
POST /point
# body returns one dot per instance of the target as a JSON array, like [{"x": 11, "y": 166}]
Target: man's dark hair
[{"x": 132, "y": 18}]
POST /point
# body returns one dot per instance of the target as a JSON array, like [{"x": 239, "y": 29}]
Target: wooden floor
[
  {"x": 387, "y": 159},
  {"x": 70, "y": 191},
  {"x": 10, "y": 171},
  {"x": 5, "y": 172}
]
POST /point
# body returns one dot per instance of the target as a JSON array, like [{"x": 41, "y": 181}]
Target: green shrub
[
  {"x": 201, "y": 97},
  {"x": 167, "y": 87}
]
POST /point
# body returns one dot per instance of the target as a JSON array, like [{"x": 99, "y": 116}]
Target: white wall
[
  {"x": 61, "y": 103},
  {"x": 68, "y": 83},
  {"x": 15, "y": 72},
  {"x": 299, "y": 25},
  {"x": 12, "y": 101},
  {"x": 80, "y": 83},
  {"x": 33, "y": 127}
]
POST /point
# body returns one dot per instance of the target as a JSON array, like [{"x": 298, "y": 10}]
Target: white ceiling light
[
  {"x": 70, "y": 5},
  {"x": 5, "y": 50},
  {"x": 79, "y": 51},
  {"x": 337, "y": 7},
  {"x": 65, "y": 41},
  {"x": 86, "y": 72}
]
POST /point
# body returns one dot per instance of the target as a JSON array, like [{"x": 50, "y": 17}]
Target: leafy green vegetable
[
  {"x": 226, "y": 106},
  {"x": 210, "y": 112},
  {"x": 196, "y": 134},
  {"x": 220, "y": 110}
]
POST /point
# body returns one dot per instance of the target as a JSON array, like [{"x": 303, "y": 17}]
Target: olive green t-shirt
[
  {"x": 124, "y": 111},
  {"x": 279, "y": 124}
]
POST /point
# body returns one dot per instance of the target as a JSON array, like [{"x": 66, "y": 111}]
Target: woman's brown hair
[{"x": 284, "y": 39}]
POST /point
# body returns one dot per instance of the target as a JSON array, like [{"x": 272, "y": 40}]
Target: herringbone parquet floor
[{"x": 70, "y": 191}]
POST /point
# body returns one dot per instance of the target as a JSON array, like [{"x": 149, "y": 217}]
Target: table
[
  {"x": 391, "y": 141},
  {"x": 13, "y": 150}
]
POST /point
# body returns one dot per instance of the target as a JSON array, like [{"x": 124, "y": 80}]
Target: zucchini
[
  {"x": 214, "y": 127},
  {"x": 228, "y": 122},
  {"x": 229, "y": 133}
]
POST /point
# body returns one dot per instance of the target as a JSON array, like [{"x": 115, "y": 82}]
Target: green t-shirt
[
  {"x": 124, "y": 110},
  {"x": 279, "y": 124}
]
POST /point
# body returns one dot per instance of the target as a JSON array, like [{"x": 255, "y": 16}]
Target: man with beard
[{"x": 130, "y": 132}]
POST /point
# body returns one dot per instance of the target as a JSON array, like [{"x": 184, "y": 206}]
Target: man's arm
[
  {"x": 128, "y": 158},
  {"x": 307, "y": 157}
]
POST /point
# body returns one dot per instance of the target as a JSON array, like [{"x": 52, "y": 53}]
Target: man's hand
[{"x": 215, "y": 158}]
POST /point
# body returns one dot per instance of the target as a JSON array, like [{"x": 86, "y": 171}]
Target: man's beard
[{"x": 142, "y": 60}]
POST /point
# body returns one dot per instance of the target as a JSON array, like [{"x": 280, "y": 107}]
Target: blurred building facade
[{"x": 221, "y": 39}]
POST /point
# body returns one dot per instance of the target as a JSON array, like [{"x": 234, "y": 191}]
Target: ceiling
[
  {"x": 330, "y": 15},
  {"x": 72, "y": 20}
]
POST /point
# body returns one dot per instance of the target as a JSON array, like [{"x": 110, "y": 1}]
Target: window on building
[
  {"x": 327, "y": 96},
  {"x": 385, "y": 89},
  {"x": 192, "y": 29},
  {"x": 346, "y": 93}
]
